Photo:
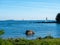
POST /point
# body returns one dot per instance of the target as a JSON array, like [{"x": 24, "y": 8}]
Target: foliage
[
  {"x": 30, "y": 42},
  {"x": 1, "y": 32},
  {"x": 58, "y": 17},
  {"x": 48, "y": 37}
]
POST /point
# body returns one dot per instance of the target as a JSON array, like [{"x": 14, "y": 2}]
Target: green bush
[
  {"x": 1, "y": 32},
  {"x": 48, "y": 37}
]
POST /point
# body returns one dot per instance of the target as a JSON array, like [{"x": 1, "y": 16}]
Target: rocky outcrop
[{"x": 29, "y": 32}]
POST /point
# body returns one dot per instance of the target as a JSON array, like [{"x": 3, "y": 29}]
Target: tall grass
[{"x": 30, "y": 42}]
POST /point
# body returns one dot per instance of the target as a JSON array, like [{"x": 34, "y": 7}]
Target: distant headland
[{"x": 57, "y": 20}]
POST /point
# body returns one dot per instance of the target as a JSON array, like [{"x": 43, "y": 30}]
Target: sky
[{"x": 29, "y": 9}]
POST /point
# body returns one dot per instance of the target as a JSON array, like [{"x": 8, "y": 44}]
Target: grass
[
  {"x": 48, "y": 40},
  {"x": 30, "y": 42}
]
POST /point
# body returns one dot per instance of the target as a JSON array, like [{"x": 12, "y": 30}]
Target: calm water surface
[{"x": 16, "y": 29}]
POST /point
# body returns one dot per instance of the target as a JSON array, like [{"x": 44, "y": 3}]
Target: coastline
[{"x": 30, "y": 21}]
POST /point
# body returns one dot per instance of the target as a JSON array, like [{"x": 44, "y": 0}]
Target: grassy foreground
[
  {"x": 29, "y": 42},
  {"x": 48, "y": 40}
]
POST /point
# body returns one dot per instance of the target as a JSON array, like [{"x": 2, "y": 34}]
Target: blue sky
[{"x": 29, "y": 9}]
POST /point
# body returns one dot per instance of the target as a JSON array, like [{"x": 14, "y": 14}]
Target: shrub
[
  {"x": 48, "y": 37},
  {"x": 1, "y": 32},
  {"x": 58, "y": 18}
]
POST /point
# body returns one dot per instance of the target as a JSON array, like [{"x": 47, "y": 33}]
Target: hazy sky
[{"x": 29, "y": 9}]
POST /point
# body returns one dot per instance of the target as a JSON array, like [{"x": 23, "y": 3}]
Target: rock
[{"x": 29, "y": 32}]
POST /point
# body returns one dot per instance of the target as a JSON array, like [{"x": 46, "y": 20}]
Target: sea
[{"x": 17, "y": 29}]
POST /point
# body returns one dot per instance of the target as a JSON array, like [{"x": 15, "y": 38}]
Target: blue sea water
[{"x": 16, "y": 29}]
